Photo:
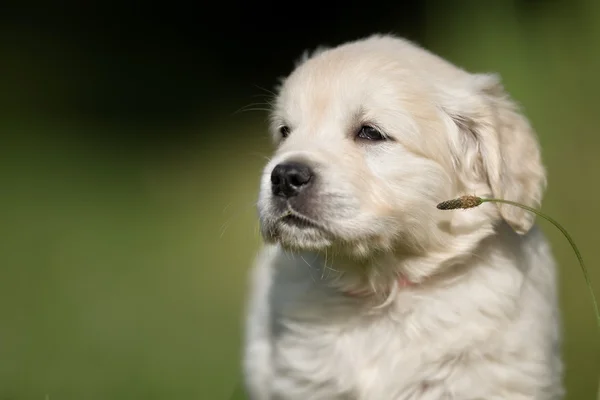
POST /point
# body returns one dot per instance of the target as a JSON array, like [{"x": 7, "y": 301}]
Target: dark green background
[{"x": 128, "y": 178}]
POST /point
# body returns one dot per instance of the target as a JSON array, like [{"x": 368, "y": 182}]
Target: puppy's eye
[
  {"x": 284, "y": 131},
  {"x": 367, "y": 132}
]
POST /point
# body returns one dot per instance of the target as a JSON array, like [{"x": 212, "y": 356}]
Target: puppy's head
[{"x": 371, "y": 135}]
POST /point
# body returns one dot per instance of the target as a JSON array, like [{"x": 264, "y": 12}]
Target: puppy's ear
[
  {"x": 308, "y": 54},
  {"x": 507, "y": 151}
]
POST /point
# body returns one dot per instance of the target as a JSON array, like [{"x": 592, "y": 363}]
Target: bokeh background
[{"x": 132, "y": 136}]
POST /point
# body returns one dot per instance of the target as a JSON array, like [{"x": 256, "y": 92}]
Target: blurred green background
[{"x": 128, "y": 178}]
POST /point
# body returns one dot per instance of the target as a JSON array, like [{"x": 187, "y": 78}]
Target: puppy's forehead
[
  {"x": 375, "y": 67},
  {"x": 339, "y": 82}
]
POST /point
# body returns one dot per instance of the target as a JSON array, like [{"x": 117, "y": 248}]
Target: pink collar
[{"x": 402, "y": 283}]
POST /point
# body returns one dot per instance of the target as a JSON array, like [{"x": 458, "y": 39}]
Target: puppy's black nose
[{"x": 288, "y": 179}]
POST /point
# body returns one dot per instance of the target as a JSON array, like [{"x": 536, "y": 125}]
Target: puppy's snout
[{"x": 290, "y": 178}]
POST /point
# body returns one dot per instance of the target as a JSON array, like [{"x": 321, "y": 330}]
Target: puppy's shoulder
[{"x": 261, "y": 272}]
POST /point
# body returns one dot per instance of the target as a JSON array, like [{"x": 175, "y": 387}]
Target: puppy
[{"x": 364, "y": 289}]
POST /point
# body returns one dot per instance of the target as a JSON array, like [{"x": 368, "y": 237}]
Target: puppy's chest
[{"x": 328, "y": 345}]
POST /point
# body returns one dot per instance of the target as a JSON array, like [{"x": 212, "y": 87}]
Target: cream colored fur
[{"x": 481, "y": 320}]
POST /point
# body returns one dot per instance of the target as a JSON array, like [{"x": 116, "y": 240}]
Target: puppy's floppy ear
[
  {"x": 508, "y": 149},
  {"x": 308, "y": 54}
]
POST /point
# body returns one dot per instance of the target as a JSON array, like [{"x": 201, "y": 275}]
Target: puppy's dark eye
[
  {"x": 367, "y": 132},
  {"x": 284, "y": 131}
]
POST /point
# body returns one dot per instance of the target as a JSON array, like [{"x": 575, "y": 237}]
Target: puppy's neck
[
  {"x": 385, "y": 273},
  {"x": 377, "y": 275}
]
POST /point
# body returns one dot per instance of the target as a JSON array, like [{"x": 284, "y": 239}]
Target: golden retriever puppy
[{"x": 364, "y": 289}]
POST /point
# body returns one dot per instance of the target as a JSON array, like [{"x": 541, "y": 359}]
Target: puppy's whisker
[
  {"x": 227, "y": 206},
  {"x": 262, "y": 156},
  {"x": 252, "y": 107},
  {"x": 309, "y": 265},
  {"x": 324, "y": 266},
  {"x": 225, "y": 226},
  {"x": 267, "y": 91},
  {"x": 263, "y": 95},
  {"x": 310, "y": 268},
  {"x": 329, "y": 267},
  {"x": 257, "y": 233}
]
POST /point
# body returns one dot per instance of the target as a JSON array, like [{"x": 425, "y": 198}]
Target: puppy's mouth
[
  {"x": 295, "y": 219},
  {"x": 295, "y": 230}
]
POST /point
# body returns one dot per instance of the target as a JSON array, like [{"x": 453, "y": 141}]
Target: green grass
[{"x": 116, "y": 280}]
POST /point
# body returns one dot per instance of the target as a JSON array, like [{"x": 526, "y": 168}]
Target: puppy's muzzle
[{"x": 289, "y": 179}]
